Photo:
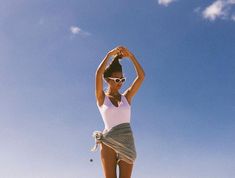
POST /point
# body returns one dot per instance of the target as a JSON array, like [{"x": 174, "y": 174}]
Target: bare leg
[
  {"x": 125, "y": 169},
  {"x": 109, "y": 161}
]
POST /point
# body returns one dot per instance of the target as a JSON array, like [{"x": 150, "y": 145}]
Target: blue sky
[{"x": 182, "y": 116}]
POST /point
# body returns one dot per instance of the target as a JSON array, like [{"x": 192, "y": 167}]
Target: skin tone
[
  {"x": 113, "y": 89},
  {"x": 108, "y": 155}
]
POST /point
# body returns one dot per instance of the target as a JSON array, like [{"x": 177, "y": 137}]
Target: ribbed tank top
[{"x": 113, "y": 115}]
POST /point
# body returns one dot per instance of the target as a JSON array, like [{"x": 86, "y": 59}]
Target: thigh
[
  {"x": 109, "y": 161},
  {"x": 125, "y": 169}
]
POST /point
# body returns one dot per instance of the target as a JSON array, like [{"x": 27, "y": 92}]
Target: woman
[{"x": 116, "y": 141}]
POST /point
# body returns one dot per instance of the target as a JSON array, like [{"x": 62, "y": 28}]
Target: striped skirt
[{"x": 120, "y": 139}]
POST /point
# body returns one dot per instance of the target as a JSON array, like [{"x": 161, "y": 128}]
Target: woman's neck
[{"x": 113, "y": 92}]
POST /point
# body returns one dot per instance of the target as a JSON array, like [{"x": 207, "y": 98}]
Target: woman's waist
[
  {"x": 109, "y": 124},
  {"x": 123, "y": 127}
]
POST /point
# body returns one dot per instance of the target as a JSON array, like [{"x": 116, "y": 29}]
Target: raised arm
[
  {"x": 99, "y": 75},
  {"x": 131, "y": 91}
]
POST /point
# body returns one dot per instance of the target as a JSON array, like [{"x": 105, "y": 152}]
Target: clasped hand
[{"x": 120, "y": 50}]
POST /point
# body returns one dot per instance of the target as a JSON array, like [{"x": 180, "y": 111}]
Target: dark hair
[{"x": 115, "y": 66}]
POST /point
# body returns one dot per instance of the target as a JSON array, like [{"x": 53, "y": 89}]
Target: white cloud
[
  {"x": 165, "y": 2},
  {"x": 215, "y": 10},
  {"x": 218, "y": 9},
  {"x": 76, "y": 30},
  {"x": 231, "y": 1}
]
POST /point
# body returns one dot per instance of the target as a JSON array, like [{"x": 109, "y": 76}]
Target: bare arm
[
  {"x": 99, "y": 75},
  {"x": 99, "y": 78},
  {"x": 131, "y": 91}
]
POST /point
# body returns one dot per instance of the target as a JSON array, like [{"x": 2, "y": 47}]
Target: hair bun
[
  {"x": 114, "y": 66},
  {"x": 116, "y": 58}
]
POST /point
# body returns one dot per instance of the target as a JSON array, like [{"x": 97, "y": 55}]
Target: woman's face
[{"x": 112, "y": 83}]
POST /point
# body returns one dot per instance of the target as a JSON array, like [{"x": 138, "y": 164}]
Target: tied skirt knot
[{"x": 120, "y": 139}]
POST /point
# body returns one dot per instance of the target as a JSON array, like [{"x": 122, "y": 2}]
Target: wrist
[{"x": 131, "y": 55}]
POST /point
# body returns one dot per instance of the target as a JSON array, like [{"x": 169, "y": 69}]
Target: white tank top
[{"x": 113, "y": 115}]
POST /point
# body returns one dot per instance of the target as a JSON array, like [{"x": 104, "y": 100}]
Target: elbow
[{"x": 142, "y": 75}]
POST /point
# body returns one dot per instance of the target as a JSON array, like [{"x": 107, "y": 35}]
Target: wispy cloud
[
  {"x": 165, "y": 2},
  {"x": 219, "y": 9},
  {"x": 215, "y": 10},
  {"x": 197, "y": 10},
  {"x": 233, "y": 17},
  {"x": 75, "y": 30}
]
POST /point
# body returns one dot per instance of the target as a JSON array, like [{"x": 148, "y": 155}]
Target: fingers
[
  {"x": 122, "y": 51},
  {"x": 119, "y": 51},
  {"x": 115, "y": 51},
  {"x": 121, "y": 48}
]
